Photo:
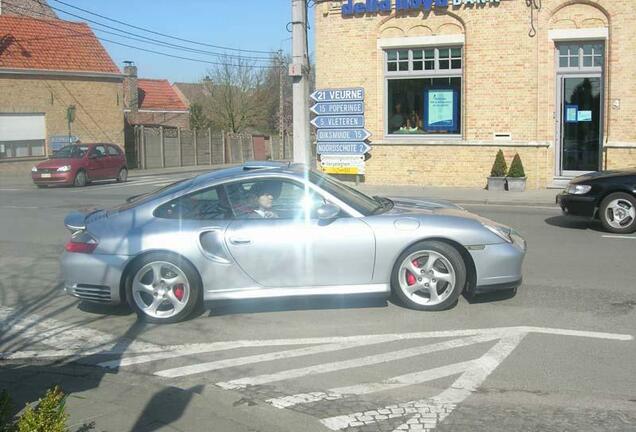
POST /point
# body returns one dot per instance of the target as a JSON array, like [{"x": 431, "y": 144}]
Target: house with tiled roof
[
  {"x": 153, "y": 102},
  {"x": 56, "y": 81}
]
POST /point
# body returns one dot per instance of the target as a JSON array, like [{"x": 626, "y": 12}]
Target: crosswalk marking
[{"x": 354, "y": 363}]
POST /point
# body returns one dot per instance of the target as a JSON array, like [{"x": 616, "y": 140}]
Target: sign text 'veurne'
[{"x": 350, "y": 7}]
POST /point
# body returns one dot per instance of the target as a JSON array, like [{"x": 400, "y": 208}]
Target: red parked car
[{"x": 79, "y": 164}]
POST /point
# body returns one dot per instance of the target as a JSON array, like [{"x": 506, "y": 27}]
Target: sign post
[{"x": 340, "y": 131}]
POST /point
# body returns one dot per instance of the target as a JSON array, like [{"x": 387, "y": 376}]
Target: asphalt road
[{"x": 558, "y": 356}]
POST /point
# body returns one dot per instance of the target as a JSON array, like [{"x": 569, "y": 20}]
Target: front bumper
[
  {"x": 65, "y": 178},
  {"x": 576, "y": 205},
  {"x": 498, "y": 266},
  {"x": 93, "y": 277}
]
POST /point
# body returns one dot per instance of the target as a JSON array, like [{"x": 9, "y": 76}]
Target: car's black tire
[
  {"x": 608, "y": 213},
  {"x": 122, "y": 177},
  {"x": 42, "y": 186},
  {"x": 445, "y": 255},
  {"x": 192, "y": 298},
  {"x": 80, "y": 179}
]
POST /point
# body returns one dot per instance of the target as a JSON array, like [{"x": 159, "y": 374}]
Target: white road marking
[
  {"x": 19, "y": 207},
  {"x": 508, "y": 205},
  {"x": 354, "y": 363},
  {"x": 620, "y": 237},
  {"x": 12, "y": 190},
  {"x": 75, "y": 339}
]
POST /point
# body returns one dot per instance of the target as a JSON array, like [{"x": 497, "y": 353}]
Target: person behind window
[
  {"x": 264, "y": 194},
  {"x": 414, "y": 123},
  {"x": 397, "y": 120}
]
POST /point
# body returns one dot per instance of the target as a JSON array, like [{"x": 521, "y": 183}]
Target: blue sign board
[
  {"x": 343, "y": 148},
  {"x": 338, "y": 108},
  {"x": 342, "y": 135},
  {"x": 441, "y": 110},
  {"x": 58, "y": 141},
  {"x": 338, "y": 122},
  {"x": 338, "y": 95}
]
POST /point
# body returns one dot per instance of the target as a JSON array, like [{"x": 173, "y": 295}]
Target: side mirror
[{"x": 327, "y": 212}]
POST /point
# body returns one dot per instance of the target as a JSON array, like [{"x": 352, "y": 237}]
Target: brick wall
[
  {"x": 509, "y": 85},
  {"x": 99, "y": 112}
]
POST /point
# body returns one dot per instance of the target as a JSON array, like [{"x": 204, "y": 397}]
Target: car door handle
[{"x": 240, "y": 240}]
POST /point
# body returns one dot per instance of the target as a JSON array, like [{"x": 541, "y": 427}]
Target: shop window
[
  {"x": 581, "y": 56},
  {"x": 424, "y": 94}
]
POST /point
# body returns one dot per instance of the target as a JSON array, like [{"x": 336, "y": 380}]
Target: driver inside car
[{"x": 264, "y": 194}]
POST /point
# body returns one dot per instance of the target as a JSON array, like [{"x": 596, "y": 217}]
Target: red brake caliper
[
  {"x": 410, "y": 277},
  {"x": 179, "y": 291}
]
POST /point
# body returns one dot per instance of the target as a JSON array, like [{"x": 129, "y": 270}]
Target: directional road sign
[
  {"x": 342, "y": 135},
  {"x": 338, "y": 95},
  {"x": 338, "y": 121},
  {"x": 347, "y": 148},
  {"x": 338, "y": 108},
  {"x": 342, "y": 164}
]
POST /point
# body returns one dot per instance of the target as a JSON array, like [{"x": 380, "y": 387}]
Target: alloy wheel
[
  {"x": 427, "y": 277},
  {"x": 620, "y": 213},
  {"x": 160, "y": 289}
]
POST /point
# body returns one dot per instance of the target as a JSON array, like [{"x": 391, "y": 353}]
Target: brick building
[
  {"x": 449, "y": 82},
  {"x": 48, "y": 69}
]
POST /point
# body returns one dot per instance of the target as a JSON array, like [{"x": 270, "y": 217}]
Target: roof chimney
[{"x": 131, "y": 92}]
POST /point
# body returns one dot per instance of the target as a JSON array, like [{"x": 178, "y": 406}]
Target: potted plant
[
  {"x": 497, "y": 179},
  {"x": 516, "y": 175}
]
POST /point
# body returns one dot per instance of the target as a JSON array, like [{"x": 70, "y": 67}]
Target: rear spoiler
[{"x": 76, "y": 221}]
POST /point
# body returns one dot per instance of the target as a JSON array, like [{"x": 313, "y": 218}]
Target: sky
[{"x": 243, "y": 24}]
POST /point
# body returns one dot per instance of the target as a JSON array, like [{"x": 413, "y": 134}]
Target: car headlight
[
  {"x": 65, "y": 168},
  {"x": 578, "y": 189},
  {"x": 34, "y": 169},
  {"x": 501, "y": 231}
]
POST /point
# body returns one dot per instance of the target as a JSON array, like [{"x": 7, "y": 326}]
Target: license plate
[{"x": 45, "y": 175}]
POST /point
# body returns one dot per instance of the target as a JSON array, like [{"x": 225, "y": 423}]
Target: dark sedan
[{"x": 609, "y": 196}]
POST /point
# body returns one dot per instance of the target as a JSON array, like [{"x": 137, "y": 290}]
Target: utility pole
[
  {"x": 299, "y": 70},
  {"x": 281, "y": 107}
]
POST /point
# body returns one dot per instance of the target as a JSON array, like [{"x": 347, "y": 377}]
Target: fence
[{"x": 165, "y": 147}]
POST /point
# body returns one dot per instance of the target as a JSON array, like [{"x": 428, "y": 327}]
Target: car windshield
[
  {"x": 71, "y": 152},
  {"x": 354, "y": 198}
]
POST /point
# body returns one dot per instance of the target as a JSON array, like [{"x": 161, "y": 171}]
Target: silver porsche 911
[{"x": 279, "y": 229}]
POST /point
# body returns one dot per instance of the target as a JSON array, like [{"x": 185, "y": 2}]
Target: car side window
[
  {"x": 207, "y": 204},
  {"x": 99, "y": 151},
  {"x": 272, "y": 199},
  {"x": 113, "y": 151}
]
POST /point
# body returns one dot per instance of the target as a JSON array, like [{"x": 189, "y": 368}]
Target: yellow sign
[{"x": 340, "y": 170}]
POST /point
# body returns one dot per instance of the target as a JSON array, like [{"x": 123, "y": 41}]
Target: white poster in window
[{"x": 584, "y": 116}]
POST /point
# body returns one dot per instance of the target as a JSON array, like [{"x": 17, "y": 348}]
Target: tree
[{"x": 198, "y": 119}]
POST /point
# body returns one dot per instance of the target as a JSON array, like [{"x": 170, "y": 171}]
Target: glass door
[{"x": 581, "y": 120}]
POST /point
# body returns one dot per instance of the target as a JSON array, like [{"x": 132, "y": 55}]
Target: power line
[
  {"x": 53, "y": 24},
  {"x": 152, "y": 41},
  {"x": 162, "y": 34}
]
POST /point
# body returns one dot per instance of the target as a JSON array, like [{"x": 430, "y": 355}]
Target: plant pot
[
  {"x": 496, "y": 183},
  {"x": 516, "y": 184}
]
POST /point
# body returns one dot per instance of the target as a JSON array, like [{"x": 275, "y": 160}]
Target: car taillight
[{"x": 81, "y": 242}]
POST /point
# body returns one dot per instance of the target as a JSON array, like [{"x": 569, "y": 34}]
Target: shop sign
[
  {"x": 346, "y": 148},
  {"x": 338, "y": 121},
  {"x": 58, "y": 141},
  {"x": 351, "y": 7},
  {"x": 342, "y": 164},
  {"x": 337, "y": 108}
]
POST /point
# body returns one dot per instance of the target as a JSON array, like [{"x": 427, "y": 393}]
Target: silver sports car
[{"x": 279, "y": 229}]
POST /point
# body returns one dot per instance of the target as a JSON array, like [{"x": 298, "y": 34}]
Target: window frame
[
  {"x": 423, "y": 74},
  {"x": 580, "y": 56}
]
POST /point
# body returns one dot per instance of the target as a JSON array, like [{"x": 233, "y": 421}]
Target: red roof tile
[
  {"x": 47, "y": 44},
  {"x": 159, "y": 95}
]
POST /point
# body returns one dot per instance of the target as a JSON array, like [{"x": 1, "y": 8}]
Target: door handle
[{"x": 240, "y": 240}]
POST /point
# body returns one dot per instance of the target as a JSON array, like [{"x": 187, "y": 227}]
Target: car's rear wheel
[
  {"x": 123, "y": 175},
  {"x": 430, "y": 275},
  {"x": 618, "y": 213},
  {"x": 80, "y": 179},
  {"x": 163, "y": 288}
]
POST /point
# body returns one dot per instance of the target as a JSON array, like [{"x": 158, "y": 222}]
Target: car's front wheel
[
  {"x": 163, "y": 288},
  {"x": 80, "y": 179},
  {"x": 430, "y": 275},
  {"x": 618, "y": 213}
]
